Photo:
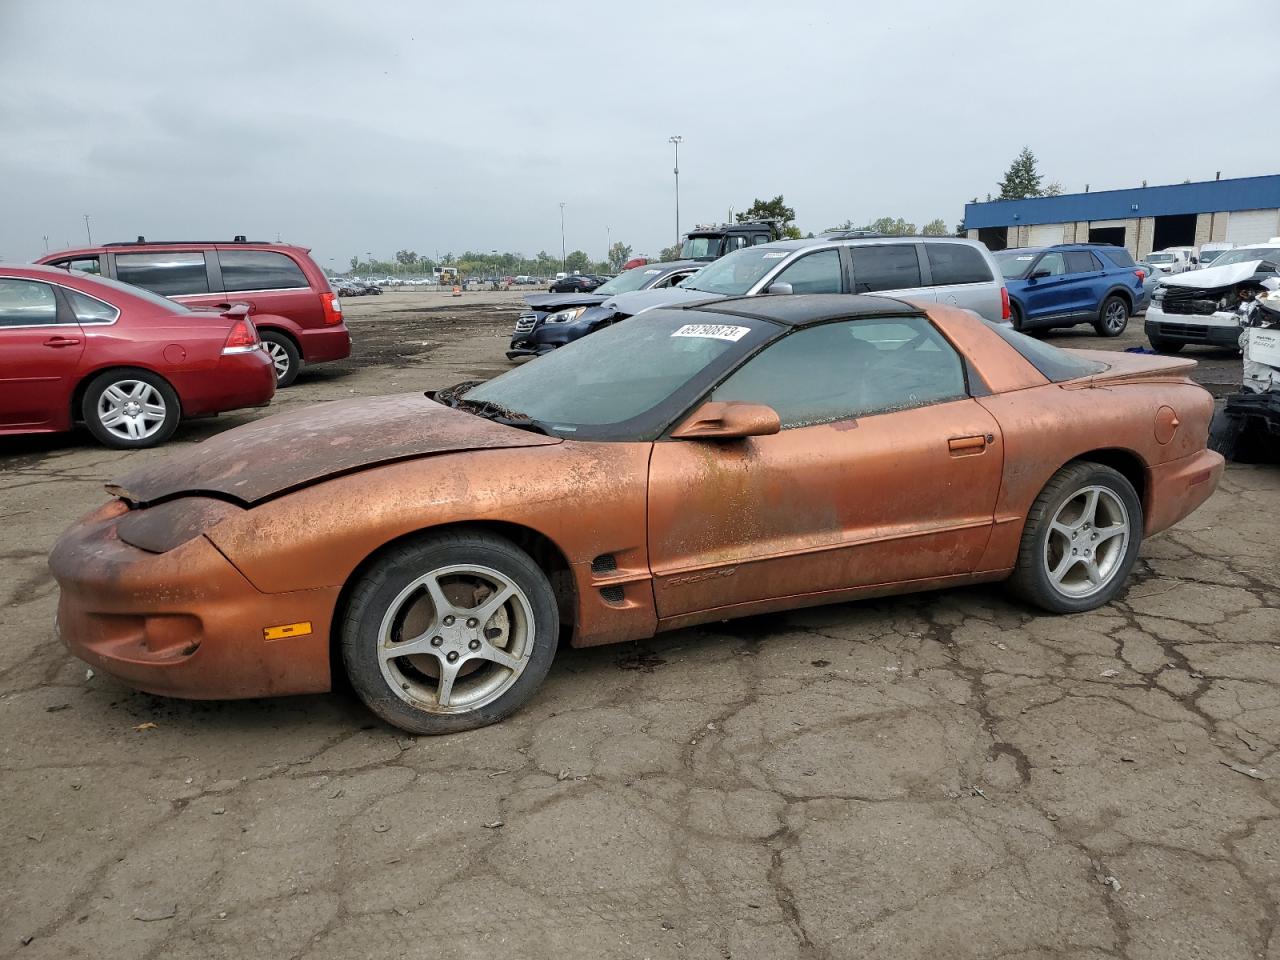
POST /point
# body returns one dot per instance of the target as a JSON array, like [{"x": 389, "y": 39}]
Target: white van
[
  {"x": 1211, "y": 250},
  {"x": 1173, "y": 259}
]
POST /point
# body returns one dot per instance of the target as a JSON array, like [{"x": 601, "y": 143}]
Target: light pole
[
  {"x": 608, "y": 245},
  {"x": 563, "y": 259},
  {"x": 675, "y": 142},
  {"x": 86, "y": 229}
]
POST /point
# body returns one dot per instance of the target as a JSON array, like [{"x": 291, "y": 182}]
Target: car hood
[
  {"x": 282, "y": 453},
  {"x": 1215, "y": 276},
  {"x": 637, "y": 301},
  {"x": 558, "y": 301}
]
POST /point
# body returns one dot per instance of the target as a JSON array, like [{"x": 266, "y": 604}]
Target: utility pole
[
  {"x": 86, "y": 229},
  {"x": 608, "y": 243},
  {"x": 564, "y": 260},
  {"x": 675, "y": 142}
]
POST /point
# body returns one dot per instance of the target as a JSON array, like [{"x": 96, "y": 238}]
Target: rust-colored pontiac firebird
[{"x": 684, "y": 466}]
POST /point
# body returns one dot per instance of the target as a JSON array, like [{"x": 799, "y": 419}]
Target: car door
[
  {"x": 1086, "y": 285},
  {"x": 40, "y": 350},
  {"x": 1047, "y": 292},
  {"x": 886, "y": 471},
  {"x": 181, "y": 275},
  {"x": 819, "y": 272},
  {"x": 881, "y": 268},
  {"x": 960, "y": 276}
]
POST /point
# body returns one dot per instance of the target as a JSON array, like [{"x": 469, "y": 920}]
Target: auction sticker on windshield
[{"x": 713, "y": 331}]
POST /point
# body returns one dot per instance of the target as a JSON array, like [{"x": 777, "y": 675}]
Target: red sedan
[{"x": 127, "y": 363}]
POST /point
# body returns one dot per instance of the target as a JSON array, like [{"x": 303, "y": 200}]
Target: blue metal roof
[{"x": 1210, "y": 196}]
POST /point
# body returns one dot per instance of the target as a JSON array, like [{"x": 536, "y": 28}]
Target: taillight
[
  {"x": 243, "y": 337},
  {"x": 332, "y": 308},
  {"x": 1005, "y": 312},
  {"x": 1140, "y": 274}
]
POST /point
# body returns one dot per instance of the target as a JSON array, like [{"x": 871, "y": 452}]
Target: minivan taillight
[
  {"x": 1005, "y": 312},
  {"x": 243, "y": 337},
  {"x": 332, "y": 308}
]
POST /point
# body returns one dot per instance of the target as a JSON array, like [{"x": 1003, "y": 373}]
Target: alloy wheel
[
  {"x": 456, "y": 639},
  {"x": 132, "y": 410},
  {"x": 1087, "y": 541},
  {"x": 1116, "y": 316},
  {"x": 279, "y": 358}
]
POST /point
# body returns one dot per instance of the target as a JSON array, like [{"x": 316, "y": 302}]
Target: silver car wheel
[
  {"x": 279, "y": 357},
  {"x": 1087, "y": 541},
  {"x": 1116, "y": 316},
  {"x": 132, "y": 410},
  {"x": 455, "y": 639}
]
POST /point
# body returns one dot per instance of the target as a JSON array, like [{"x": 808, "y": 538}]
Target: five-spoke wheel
[
  {"x": 450, "y": 632},
  {"x": 1080, "y": 540}
]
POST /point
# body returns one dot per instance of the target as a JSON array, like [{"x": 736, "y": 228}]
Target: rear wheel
[
  {"x": 284, "y": 356},
  {"x": 449, "y": 633},
  {"x": 1165, "y": 345},
  {"x": 1113, "y": 317},
  {"x": 130, "y": 409},
  {"x": 1015, "y": 316},
  {"x": 1080, "y": 540}
]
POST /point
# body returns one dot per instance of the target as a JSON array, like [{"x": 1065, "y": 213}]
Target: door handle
[
  {"x": 961, "y": 446},
  {"x": 62, "y": 341}
]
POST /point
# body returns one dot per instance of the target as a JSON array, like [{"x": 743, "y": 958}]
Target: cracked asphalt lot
[{"x": 935, "y": 776}]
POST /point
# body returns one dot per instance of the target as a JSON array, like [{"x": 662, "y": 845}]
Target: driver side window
[
  {"x": 1051, "y": 263},
  {"x": 854, "y": 368},
  {"x": 817, "y": 273}
]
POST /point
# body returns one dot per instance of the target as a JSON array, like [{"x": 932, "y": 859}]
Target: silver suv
[{"x": 944, "y": 270}]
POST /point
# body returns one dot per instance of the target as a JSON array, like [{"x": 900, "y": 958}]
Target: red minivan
[{"x": 297, "y": 314}]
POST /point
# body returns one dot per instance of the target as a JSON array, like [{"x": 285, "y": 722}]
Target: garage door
[
  {"x": 1046, "y": 234},
  {"x": 1252, "y": 226}
]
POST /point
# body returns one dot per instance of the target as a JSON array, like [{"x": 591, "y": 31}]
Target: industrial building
[{"x": 1142, "y": 219}]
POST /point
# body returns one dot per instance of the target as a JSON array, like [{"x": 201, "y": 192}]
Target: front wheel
[
  {"x": 1163, "y": 345},
  {"x": 1113, "y": 317},
  {"x": 451, "y": 632},
  {"x": 1080, "y": 540},
  {"x": 130, "y": 409}
]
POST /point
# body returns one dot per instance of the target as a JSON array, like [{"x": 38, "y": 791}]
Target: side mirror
[
  {"x": 1038, "y": 275},
  {"x": 716, "y": 420},
  {"x": 780, "y": 287}
]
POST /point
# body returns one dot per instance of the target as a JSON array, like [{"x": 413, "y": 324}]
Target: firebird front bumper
[{"x": 185, "y": 623}]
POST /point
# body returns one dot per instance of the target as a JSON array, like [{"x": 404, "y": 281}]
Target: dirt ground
[{"x": 947, "y": 775}]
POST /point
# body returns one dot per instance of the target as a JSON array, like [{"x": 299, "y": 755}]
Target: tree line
[{"x": 1022, "y": 179}]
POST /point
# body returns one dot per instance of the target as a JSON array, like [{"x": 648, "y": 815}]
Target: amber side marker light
[{"x": 286, "y": 630}]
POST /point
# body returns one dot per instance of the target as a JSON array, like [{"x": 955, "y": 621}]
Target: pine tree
[{"x": 1021, "y": 179}]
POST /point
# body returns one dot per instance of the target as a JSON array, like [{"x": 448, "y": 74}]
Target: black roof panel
[{"x": 798, "y": 310}]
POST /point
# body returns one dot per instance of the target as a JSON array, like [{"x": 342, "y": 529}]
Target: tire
[
  {"x": 130, "y": 409},
  {"x": 284, "y": 355},
  {"x": 1164, "y": 345},
  {"x": 1015, "y": 317},
  {"x": 490, "y": 681},
  {"x": 1061, "y": 519},
  {"x": 1113, "y": 317}
]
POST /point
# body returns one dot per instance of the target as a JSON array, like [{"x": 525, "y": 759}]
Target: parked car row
[
  {"x": 945, "y": 270},
  {"x": 1203, "y": 306}
]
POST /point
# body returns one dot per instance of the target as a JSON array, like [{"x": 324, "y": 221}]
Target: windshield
[
  {"x": 701, "y": 248},
  {"x": 1245, "y": 254},
  {"x": 627, "y": 381},
  {"x": 142, "y": 293},
  {"x": 636, "y": 279},
  {"x": 1014, "y": 264},
  {"x": 1161, "y": 258},
  {"x": 735, "y": 274}
]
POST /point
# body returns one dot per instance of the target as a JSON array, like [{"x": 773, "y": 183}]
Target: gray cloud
[{"x": 398, "y": 124}]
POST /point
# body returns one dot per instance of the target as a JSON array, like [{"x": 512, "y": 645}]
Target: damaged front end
[{"x": 1248, "y": 426}]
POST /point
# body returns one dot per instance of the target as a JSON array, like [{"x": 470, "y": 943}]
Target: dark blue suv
[{"x": 1071, "y": 283}]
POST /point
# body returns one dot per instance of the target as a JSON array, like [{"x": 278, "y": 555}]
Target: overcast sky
[{"x": 375, "y": 126}]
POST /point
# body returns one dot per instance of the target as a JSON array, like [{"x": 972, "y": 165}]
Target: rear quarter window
[
  {"x": 259, "y": 270},
  {"x": 1056, "y": 365},
  {"x": 952, "y": 263},
  {"x": 1118, "y": 256}
]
